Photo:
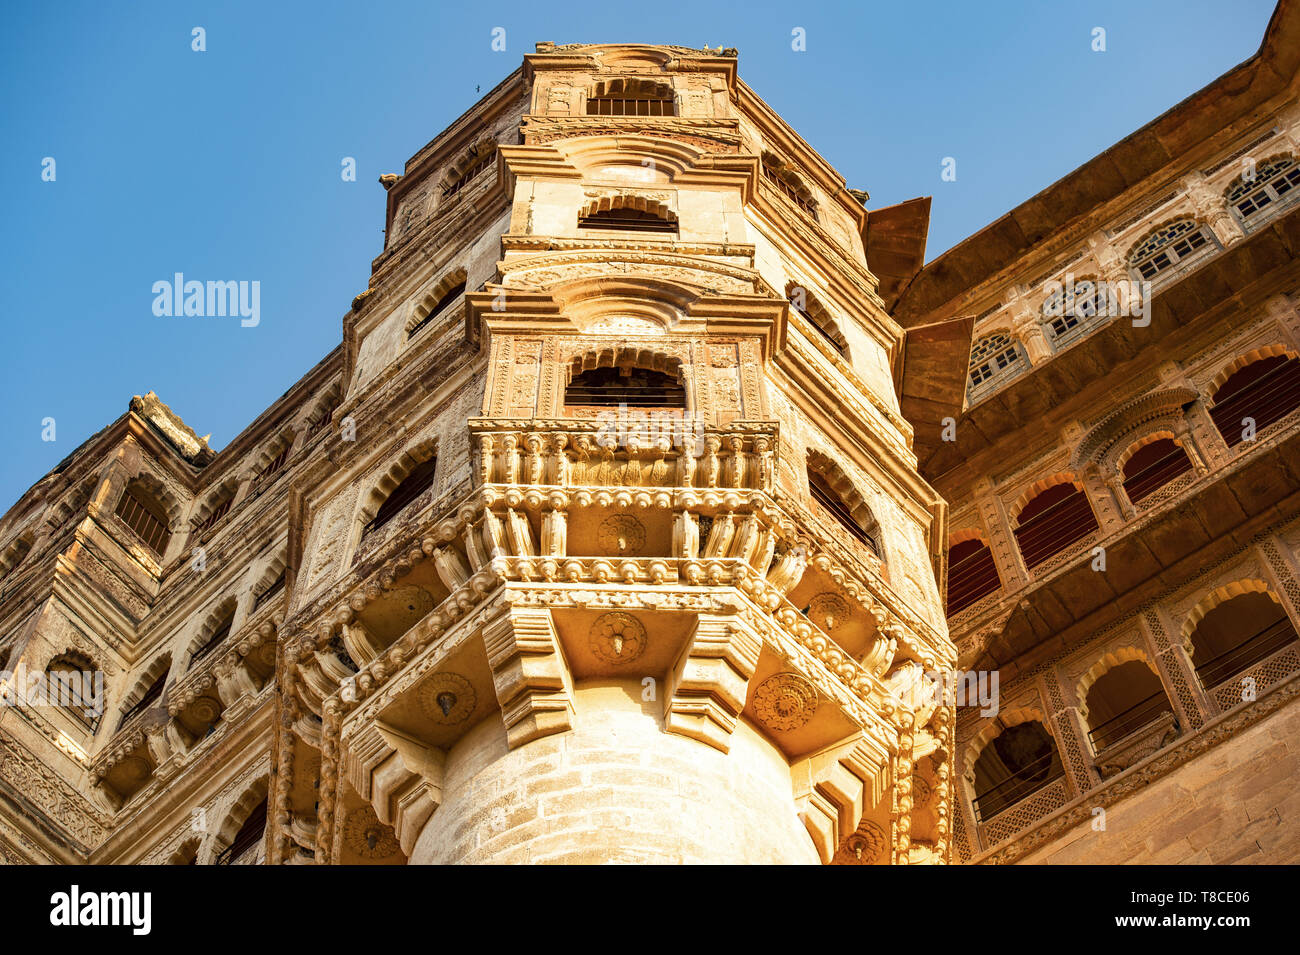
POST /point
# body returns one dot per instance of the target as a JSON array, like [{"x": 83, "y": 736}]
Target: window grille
[
  {"x": 1266, "y": 390},
  {"x": 448, "y": 298},
  {"x": 1167, "y": 247},
  {"x": 1273, "y": 187},
  {"x": 463, "y": 180},
  {"x": 628, "y": 220},
  {"x": 972, "y": 574},
  {"x": 633, "y": 100},
  {"x": 634, "y": 387},
  {"x": 831, "y": 502},
  {"x": 415, "y": 484},
  {"x": 1152, "y": 467},
  {"x": 145, "y": 518},
  {"x": 993, "y": 361},
  {"x": 217, "y": 514},
  {"x": 792, "y": 192},
  {"x": 1052, "y": 521}
]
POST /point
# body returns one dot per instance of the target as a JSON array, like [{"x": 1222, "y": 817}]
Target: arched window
[
  {"x": 278, "y": 460},
  {"x": 1017, "y": 763},
  {"x": 1152, "y": 466},
  {"x": 1236, "y": 635},
  {"x": 627, "y": 214},
  {"x": 269, "y": 593},
  {"x": 71, "y": 685},
  {"x": 631, "y": 97},
  {"x": 1052, "y": 520},
  {"x": 1265, "y": 391},
  {"x": 1074, "y": 310},
  {"x": 14, "y": 554},
  {"x": 219, "y": 633},
  {"x": 1168, "y": 247},
  {"x": 994, "y": 360},
  {"x": 479, "y": 159},
  {"x": 141, "y": 512},
  {"x": 1272, "y": 188},
  {"x": 1123, "y": 700},
  {"x": 247, "y": 839},
  {"x": 219, "y": 510},
  {"x": 610, "y": 387},
  {"x": 826, "y": 487},
  {"x": 150, "y": 698},
  {"x": 788, "y": 184},
  {"x": 817, "y": 316},
  {"x": 972, "y": 574},
  {"x": 448, "y": 292},
  {"x": 419, "y": 480}
]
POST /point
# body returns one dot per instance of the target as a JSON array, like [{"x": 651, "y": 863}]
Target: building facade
[{"x": 654, "y": 484}]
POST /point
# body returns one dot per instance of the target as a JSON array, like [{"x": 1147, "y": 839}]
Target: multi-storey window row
[
  {"x": 1263, "y": 391},
  {"x": 1168, "y": 250}
]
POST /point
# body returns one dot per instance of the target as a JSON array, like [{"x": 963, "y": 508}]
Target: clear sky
[{"x": 225, "y": 164}]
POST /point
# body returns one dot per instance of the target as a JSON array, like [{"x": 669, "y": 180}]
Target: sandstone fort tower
[{"x": 652, "y": 476}]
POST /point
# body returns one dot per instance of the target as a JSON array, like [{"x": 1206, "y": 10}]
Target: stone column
[{"x": 1184, "y": 690}]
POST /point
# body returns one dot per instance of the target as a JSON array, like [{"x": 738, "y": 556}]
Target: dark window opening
[
  {"x": 217, "y": 514},
  {"x": 1238, "y": 634},
  {"x": 1015, "y": 765},
  {"x": 1051, "y": 522},
  {"x": 455, "y": 292},
  {"x": 831, "y": 502},
  {"x": 150, "y": 697},
  {"x": 634, "y": 101},
  {"x": 1125, "y": 699},
  {"x": 972, "y": 574},
  {"x": 146, "y": 518},
  {"x": 269, "y": 592},
  {"x": 249, "y": 836},
  {"x": 276, "y": 462},
  {"x": 464, "y": 178},
  {"x": 214, "y": 641},
  {"x": 634, "y": 387},
  {"x": 412, "y": 486},
  {"x": 1266, "y": 390},
  {"x": 1153, "y": 466},
  {"x": 627, "y": 220},
  {"x": 789, "y": 190}
]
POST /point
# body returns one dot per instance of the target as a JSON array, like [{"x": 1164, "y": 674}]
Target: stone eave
[{"x": 1168, "y": 140}]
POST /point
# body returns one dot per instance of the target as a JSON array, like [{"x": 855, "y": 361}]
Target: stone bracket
[
  {"x": 709, "y": 683},
  {"x": 835, "y": 788},
  {"x": 530, "y": 674},
  {"x": 399, "y": 775}
]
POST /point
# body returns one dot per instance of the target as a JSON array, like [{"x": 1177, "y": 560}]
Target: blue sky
[{"x": 225, "y": 164}]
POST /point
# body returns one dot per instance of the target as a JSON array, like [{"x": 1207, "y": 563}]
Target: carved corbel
[
  {"x": 451, "y": 567},
  {"x": 835, "y": 788},
  {"x": 400, "y": 776},
  {"x": 530, "y": 674},
  {"x": 362, "y": 647},
  {"x": 709, "y": 683}
]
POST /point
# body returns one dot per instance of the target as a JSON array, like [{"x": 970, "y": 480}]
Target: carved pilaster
[{"x": 1177, "y": 673}]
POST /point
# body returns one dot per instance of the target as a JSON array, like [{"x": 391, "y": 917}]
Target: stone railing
[{"x": 658, "y": 450}]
